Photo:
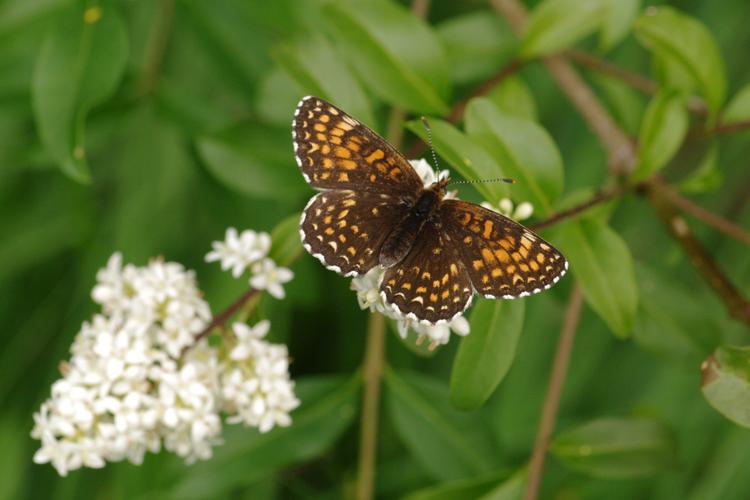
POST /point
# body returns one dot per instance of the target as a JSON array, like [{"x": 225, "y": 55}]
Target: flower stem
[
  {"x": 372, "y": 370},
  {"x": 223, "y": 316},
  {"x": 552, "y": 399},
  {"x": 156, "y": 46}
]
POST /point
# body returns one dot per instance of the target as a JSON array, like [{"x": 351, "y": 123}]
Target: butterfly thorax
[{"x": 401, "y": 239}]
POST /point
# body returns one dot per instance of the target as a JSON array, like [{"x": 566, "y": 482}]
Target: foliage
[{"x": 150, "y": 127}]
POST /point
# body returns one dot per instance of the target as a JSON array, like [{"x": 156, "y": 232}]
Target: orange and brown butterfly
[{"x": 373, "y": 210}]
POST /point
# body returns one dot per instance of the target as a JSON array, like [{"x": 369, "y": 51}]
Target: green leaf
[
  {"x": 395, "y": 53},
  {"x": 556, "y": 25},
  {"x": 687, "y": 42},
  {"x": 617, "y": 22},
  {"x": 327, "y": 408},
  {"x": 449, "y": 444},
  {"x": 79, "y": 65},
  {"x": 477, "y": 44},
  {"x": 277, "y": 94},
  {"x": 726, "y": 383},
  {"x": 524, "y": 150},
  {"x": 738, "y": 108},
  {"x": 514, "y": 97},
  {"x": 601, "y": 262},
  {"x": 511, "y": 489},
  {"x": 316, "y": 66},
  {"x": 624, "y": 102},
  {"x": 617, "y": 448},
  {"x": 253, "y": 159},
  {"x": 485, "y": 355},
  {"x": 664, "y": 126},
  {"x": 474, "y": 487},
  {"x": 285, "y": 241},
  {"x": 671, "y": 320},
  {"x": 707, "y": 176},
  {"x": 468, "y": 158}
]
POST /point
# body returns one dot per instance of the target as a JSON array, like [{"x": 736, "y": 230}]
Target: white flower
[
  {"x": 427, "y": 173},
  {"x": 238, "y": 251},
  {"x": 255, "y": 384},
  {"x": 248, "y": 339},
  {"x": 367, "y": 287},
  {"x": 523, "y": 211},
  {"x": 267, "y": 276},
  {"x": 188, "y": 405},
  {"x": 437, "y": 334}
]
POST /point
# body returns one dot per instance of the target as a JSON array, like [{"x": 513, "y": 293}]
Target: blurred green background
[{"x": 149, "y": 127}]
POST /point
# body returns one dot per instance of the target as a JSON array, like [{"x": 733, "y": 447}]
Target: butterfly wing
[
  {"x": 430, "y": 284},
  {"x": 503, "y": 258},
  {"x": 335, "y": 151},
  {"x": 345, "y": 229}
]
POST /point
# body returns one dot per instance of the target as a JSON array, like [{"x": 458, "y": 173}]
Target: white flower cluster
[
  {"x": 137, "y": 379},
  {"x": 249, "y": 249},
  {"x": 523, "y": 211}
]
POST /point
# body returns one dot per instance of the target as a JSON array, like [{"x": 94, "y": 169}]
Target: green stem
[{"x": 372, "y": 372}]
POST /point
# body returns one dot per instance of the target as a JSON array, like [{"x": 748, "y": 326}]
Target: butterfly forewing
[
  {"x": 430, "y": 284},
  {"x": 335, "y": 151},
  {"x": 503, "y": 258},
  {"x": 345, "y": 229}
]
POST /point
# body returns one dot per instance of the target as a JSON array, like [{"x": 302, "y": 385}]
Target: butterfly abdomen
[{"x": 400, "y": 241}]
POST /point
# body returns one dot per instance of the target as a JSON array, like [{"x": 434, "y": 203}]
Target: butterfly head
[{"x": 438, "y": 187}]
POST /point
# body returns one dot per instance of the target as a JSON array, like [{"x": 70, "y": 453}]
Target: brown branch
[
  {"x": 597, "y": 199},
  {"x": 223, "y": 316},
  {"x": 737, "y": 305},
  {"x": 554, "y": 391},
  {"x": 457, "y": 110},
  {"x": 620, "y": 149},
  {"x": 712, "y": 219},
  {"x": 635, "y": 80},
  {"x": 700, "y": 132}
]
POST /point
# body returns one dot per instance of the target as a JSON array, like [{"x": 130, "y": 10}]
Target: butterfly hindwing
[
  {"x": 345, "y": 229},
  {"x": 335, "y": 151},
  {"x": 430, "y": 284},
  {"x": 503, "y": 258}
]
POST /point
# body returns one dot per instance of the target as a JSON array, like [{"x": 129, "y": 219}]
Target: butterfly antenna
[
  {"x": 427, "y": 128},
  {"x": 482, "y": 181}
]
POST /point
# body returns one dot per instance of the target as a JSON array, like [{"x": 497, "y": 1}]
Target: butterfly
[{"x": 374, "y": 210}]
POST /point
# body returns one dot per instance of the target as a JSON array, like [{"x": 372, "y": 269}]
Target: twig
[
  {"x": 620, "y": 149},
  {"x": 737, "y": 305},
  {"x": 223, "y": 316},
  {"x": 552, "y": 399},
  {"x": 712, "y": 219},
  {"x": 457, "y": 110},
  {"x": 156, "y": 46},
  {"x": 597, "y": 199},
  {"x": 635, "y": 80},
  {"x": 700, "y": 132},
  {"x": 372, "y": 372}
]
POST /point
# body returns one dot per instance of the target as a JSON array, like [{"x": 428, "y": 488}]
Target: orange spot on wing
[
  {"x": 378, "y": 154},
  {"x": 487, "y": 229}
]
